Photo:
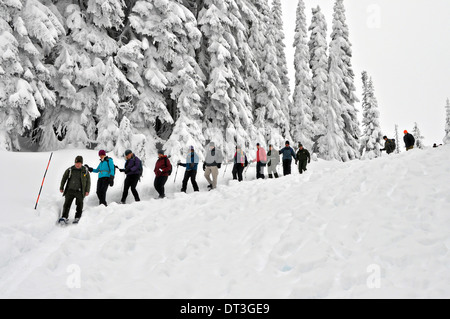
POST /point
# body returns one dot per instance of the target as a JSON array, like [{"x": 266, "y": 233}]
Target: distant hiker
[
  {"x": 288, "y": 154},
  {"x": 240, "y": 162},
  {"x": 212, "y": 164},
  {"x": 261, "y": 160},
  {"x": 75, "y": 184},
  {"x": 303, "y": 158},
  {"x": 105, "y": 177},
  {"x": 191, "y": 165},
  {"x": 409, "y": 140},
  {"x": 273, "y": 158},
  {"x": 389, "y": 145},
  {"x": 163, "y": 168},
  {"x": 133, "y": 170}
]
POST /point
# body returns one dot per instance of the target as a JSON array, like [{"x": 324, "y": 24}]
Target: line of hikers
[
  {"x": 76, "y": 182},
  {"x": 390, "y": 146}
]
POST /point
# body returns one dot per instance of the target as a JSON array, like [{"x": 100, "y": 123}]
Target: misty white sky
[{"x": 405, "y": 46}]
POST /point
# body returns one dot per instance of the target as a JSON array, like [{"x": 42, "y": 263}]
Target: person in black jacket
[
  {"x": 409, "y": 140},
  {"x": 389, "y": 145},
  {"x": 302, "y": 158}
]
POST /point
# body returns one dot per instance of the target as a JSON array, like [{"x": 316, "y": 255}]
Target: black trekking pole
[
  {"x": 43, "y": 179},
  {"x": 175, "y": 179}
]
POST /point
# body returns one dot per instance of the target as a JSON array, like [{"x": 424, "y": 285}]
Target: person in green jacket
[
  {"x": 75, "y": 184},
  {"x": 302, "y": 158}
]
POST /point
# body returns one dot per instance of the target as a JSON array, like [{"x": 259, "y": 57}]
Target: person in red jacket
[
  {"x": 163, "y": 168},
  {"x": 261, "y": 161}
]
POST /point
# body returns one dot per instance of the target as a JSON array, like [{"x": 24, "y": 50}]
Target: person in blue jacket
[
  {"x": 288, "y": 153},
  {"x": 191, "y": 165},
  {"x": 106, "y": 174}
]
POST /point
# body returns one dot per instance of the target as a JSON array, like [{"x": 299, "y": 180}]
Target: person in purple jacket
[{"x": 133, "y": 170}]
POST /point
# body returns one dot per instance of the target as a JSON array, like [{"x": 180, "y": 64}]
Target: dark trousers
[
  {"x": 130, "y": 182},
  {"x": 287, "y": 167},
  {"x": 302, "y": 166},
  {"x": 260, "y": 170},
  {"x": 237, "y": 172},
  {"x": 70, "y": 196},
  {"x": 192, "y": 174},
  {"x": 160, "y": 181},
  {"x": 102, "y": 187}
]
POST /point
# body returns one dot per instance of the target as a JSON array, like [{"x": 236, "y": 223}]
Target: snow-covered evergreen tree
[
  {"x": 282, "y": 69},
  {"x": 341, "y": 46},
  {"x": 372, "y": 138},
  {"x": 319, "y": 67},
  {"x": 340, "y": 35},
  {"x": 227, "y": 118},
  {"x": 397, "y": 140},
  {"x": 302, "y": 124},
  {"x": 28, "y": 32},
  {"x": 447, "y": 123},
  {"x": 79, "y": 72},
  {"x": 418, "y": 136}
]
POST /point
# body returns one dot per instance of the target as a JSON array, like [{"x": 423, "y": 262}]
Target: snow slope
[{"x": 335, "y": 232}]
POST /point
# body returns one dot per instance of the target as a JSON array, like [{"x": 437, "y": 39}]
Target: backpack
[
  {"x": 107, "y": 161},
  {"x": 170, "y": 171},
  {"x": 393, "y": 146}
]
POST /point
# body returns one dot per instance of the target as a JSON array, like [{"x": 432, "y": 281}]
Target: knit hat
[
  {"x": 79, "y": 159},
  {"x": 287, "y": 142},
  {"x": 128, "y": 152},
  {"x": 300, "y": 145},
  {"x": 160, "y": 152},
  {"x": 101, "y": 153},
  {"x": 191, "y": 147},
  {"x": 385, "y": 137},
  {"x": 405, "y": 131}
]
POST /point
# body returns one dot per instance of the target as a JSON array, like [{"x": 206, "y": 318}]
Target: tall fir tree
[
  {"x": 319, "y": 67},
  {"x": 29, "y": 32},
  {"x": 418, "y": 136},
  {"x": 342, "y": 47},
  {"x": 302, "y": 124},
  {"x": 397, "y": 140},
  {"x": 447, "y": 123},
  {"x": 371, "y": 140},
  {"x": 228, "y": 118},
  {"x": 282, "y": 68}
]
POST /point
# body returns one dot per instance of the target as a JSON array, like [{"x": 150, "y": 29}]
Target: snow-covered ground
[{"x": 364, "y": 229}]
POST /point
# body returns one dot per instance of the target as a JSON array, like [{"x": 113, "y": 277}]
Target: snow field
[{"x": 317, "y": 235}]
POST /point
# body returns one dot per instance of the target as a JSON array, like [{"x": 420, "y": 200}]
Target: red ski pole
[{"x": 43, "y": 180}]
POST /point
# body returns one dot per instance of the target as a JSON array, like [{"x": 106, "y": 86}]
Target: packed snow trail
[{"x": 324, "y": 234}]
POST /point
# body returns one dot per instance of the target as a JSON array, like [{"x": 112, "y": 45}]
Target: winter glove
[
  {"x": 219, "y": 165},
  {"x": 178, "y": 164},
  {"x": 296, "y": 162},
  {"x": 204, "y": 166},
  {"x": 90, "y": 169},
  {"x": 111, "y": 181},
  {"x": 121, "y": 170},
  {"x": 309, "y": 161}
]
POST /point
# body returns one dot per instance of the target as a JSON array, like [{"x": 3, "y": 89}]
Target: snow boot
[
  {"x": 63, "y": 221},
  {"x": 270, "y": 176},
  {"x": 75, "y": 221},
  {"x": 276, "y": 175}
]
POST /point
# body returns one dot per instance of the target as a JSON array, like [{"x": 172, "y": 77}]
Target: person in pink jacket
[{"x": 261, "y": 161}]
